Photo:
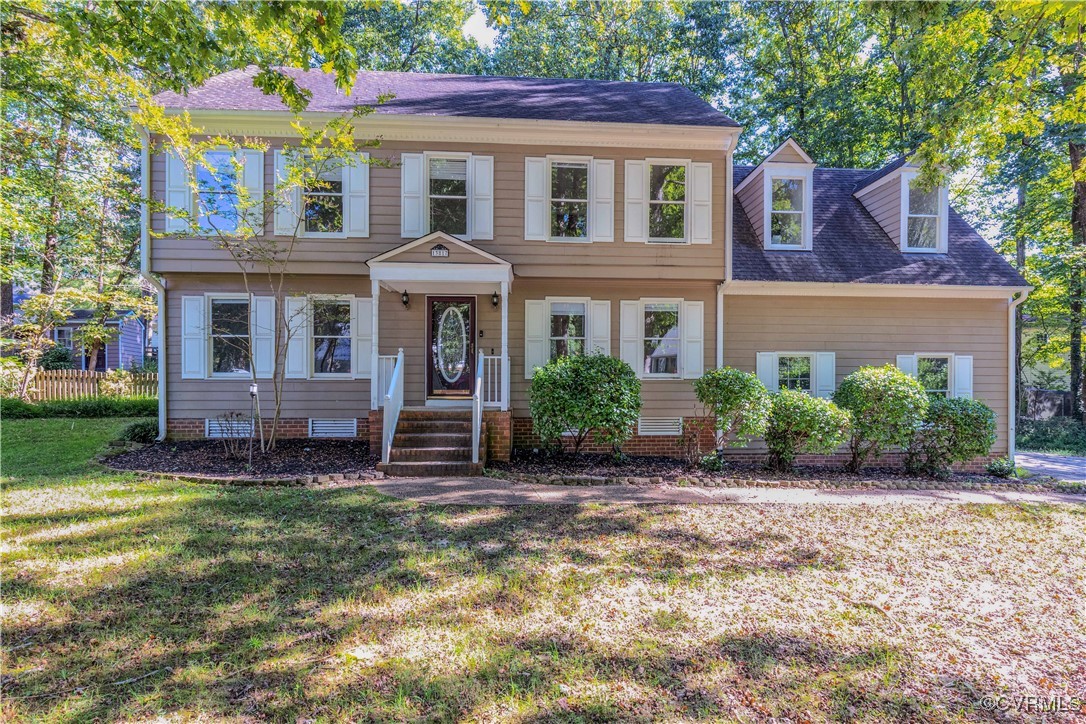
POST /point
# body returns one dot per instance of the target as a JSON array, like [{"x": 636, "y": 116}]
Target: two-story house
[{"x": 520, "y": 219}]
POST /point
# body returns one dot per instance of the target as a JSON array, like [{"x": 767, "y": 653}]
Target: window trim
[
  {"x": 210, "y": 297},
  {"x": 678, "y": 302},
  {"x": 949, "y": 357},
  {"x": 942, "y": 217},
  {"x": 802, "y": 172},
  {"x": 344, "y": 194},
  {"x": 813, "y": 357},
  {"x": 686, "y": 164},
  {"x": 451, "y": 155},
  {"x": 196, "y": 207},
  {"x": 587, "y": 161},
  {"x": 587, "y": 302},
  {"x": 310, "y": 336},
  {"x": 70, "y": 346}
]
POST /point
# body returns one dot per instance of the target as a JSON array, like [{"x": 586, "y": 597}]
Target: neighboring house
[
  {"x": 127, "y": 347},
  {"x": 526, "y": 218}
]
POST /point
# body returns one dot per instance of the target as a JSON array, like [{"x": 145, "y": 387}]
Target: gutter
[
  {"x": 1012, "y": 372},
  {"x": 145, "y": 273}
]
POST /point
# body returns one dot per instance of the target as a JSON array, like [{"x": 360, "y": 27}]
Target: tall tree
[{"x": 420, "y": 35}]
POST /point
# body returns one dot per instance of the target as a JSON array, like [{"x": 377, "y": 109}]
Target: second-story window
[
  {"x": 323, "y": 203},
  {"x": 217, "y": 192},
  {"x": 448, "y": 195},
  {"x": 667, "y": 203},
  {"x": 922, "y": 218},
  {"x": 569, "y": 200},
  {"x": 786, "y": 213}
]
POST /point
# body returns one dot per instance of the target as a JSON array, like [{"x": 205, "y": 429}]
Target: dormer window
[
  {"x": 788, "y": 203},
  {"x": 923, "y": 216}
]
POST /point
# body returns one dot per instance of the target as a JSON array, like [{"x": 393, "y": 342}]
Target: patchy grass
[
  {"x": 55, "y": 446},
  {"x": 126, "y": 599}
]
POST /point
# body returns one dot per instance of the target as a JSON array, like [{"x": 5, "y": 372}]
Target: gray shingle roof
[
  {"x": 850, "y": 246},
  {"x": 426, "y": 94}
]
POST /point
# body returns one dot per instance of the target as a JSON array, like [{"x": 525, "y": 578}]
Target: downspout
[
  {"x": 729, "y": 211},
  {"x": 145, "y": 273},
  {"x": 1012, "y": 373}
]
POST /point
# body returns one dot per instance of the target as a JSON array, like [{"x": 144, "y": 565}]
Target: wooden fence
[{"x": 69, "y": 384}]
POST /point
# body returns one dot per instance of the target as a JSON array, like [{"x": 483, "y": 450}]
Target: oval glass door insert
[{"x": 452, "y": 344}]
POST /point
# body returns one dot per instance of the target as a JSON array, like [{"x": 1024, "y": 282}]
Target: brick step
[
  {"x": 430, "y": 454},
  {"x": 431, "y": 439},
  {"x": 416, "y": 413},
  {"x": 414, "y": 470},
  {"x": 433, "y": 426}
]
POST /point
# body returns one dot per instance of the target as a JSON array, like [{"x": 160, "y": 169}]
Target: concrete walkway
[
  {"x": 488, "y": 491},
  {"x": 1064, "y": 467}
]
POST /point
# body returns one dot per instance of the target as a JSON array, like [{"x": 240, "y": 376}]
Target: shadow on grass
[{"x": 262, "y": 602}]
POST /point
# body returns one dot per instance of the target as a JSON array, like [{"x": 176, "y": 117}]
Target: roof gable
[{"x": 422, "y": 251}]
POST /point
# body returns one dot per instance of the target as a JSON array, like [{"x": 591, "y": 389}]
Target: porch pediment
[
  {"x": 437, "y": 248},
  {"x": 438, "y": 263}
]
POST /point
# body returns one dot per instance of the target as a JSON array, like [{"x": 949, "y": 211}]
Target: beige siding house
[{"x": 501, "y": 222}]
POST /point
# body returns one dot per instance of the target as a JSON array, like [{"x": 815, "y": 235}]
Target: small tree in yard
[
  {"x": 799, "y": 423},
  {"x": 955, "y": 430},
  {"x": 738, "y": 402},
  {"x": 887, "y": 407},
  {"x": 582, "y": 395}
]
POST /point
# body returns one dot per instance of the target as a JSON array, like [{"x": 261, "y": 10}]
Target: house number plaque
[{"x": 439, "y": 251}]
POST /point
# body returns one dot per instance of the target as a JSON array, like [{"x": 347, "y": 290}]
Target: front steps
[{"x": 432, "y": 442}]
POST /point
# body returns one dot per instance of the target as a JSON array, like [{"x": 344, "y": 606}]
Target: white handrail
[
  {"x": 477, "y": 409},
  {"x": 393, "y": 405}
]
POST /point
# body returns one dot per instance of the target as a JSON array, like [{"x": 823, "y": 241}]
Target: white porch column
[
  {"x": 375, "y": 356},
  {"x": 505, "y": 346}
]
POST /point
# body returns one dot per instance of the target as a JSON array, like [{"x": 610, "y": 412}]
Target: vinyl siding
[
  {"x": 787, "y": 154},
  {"x": 873, "y": 331},
  {"x": 617, "y": 259},
  {"x": 752, "y": 197},
  {"x": 884, "y": 204}
]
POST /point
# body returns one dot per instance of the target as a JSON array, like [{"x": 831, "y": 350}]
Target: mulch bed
[
  {"x": 527, "y": 466},
  {"x": 292, "y": 457}
]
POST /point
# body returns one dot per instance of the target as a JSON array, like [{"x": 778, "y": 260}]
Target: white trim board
[{"x": 839, "y": 289}]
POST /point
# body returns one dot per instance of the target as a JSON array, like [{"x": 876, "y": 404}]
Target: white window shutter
[
  {"x": 482, "y": 197},
  {"x": 599, "y": 327},
  {"x": 362, "y": 345},
  {"x": 601, "y": 212},
  {"x": 357, "y": 220},
  {"x": 262, "y": 335},
  {"x": 701, "y": 203},
  {"x": 629, "y": 333},
  {"x": 288, "y": 208},
  {"x": 963, "y": 376},
  {"x": 296, "y": 320},
  {"x": 536, "y": 217},
  {"x": 825, "y": 372},
  {"x": 907, "y": 364},
  {"x": 412, "y": 195},
  {"x": 766, "y": 369},
  {"x": 536, "y": 342},
  {"x": 636, "y": 207},
  {"x": 193, "y": 338},
  {"x": 692, "y": 357},
  {"x": 178, "y": 194}
]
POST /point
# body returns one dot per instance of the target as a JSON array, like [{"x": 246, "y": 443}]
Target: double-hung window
[
  {"x": 786, "y": 214},
  {"x": 933, "y": 372},
  {"x": 667, "y": 202},
  {"x": 448, "y": 194},
  {"x": 229, "y": 333},
  {"x": 331, "y": 335},
  {"x": 322, "y": 203},
  {"x": 569, "y": 200},
  {"x": 661, "y": 339},
  {"x": 795, "y": 372},
  {"x": 63, "y": 336},
  {"x": 217, "y": 192},
  {"x": 923, "y": 216},
  {"x": 568, "y": 328}
]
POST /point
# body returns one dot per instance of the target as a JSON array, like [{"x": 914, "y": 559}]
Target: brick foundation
[
  {"x": 499, "y": 434},
  {"x": 192, "y": 428}
]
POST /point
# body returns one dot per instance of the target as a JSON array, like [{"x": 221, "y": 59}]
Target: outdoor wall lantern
[
  {"x": 495, "y": 299},
  {"x": 405, "y": 298}
]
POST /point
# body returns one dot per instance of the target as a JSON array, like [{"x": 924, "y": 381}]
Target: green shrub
[
  {"x": 592, "y": 394},
  {"x": 800, "y": 423},
  {"x": 737, "y": 400},
  {"x": 712, "y": 463},
  {"x": 1001, "y": 468},
  {"x": 146, "y": 366},
  {"x": 116, "y": 383},
  {"x": 57, "y": 357},
  {"x": 14, "y": 409},
  {"x": 141, "y": 431},
  {"x": 887, "y": 407},
  {"x": 954, "y": 430},
  {"x": 1057, "y": 434},
  {"x": 11, "y": 376}
]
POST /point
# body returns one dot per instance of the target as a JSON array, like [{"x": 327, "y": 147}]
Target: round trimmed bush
[
  {"x": 800, "y": 423},
  {"x": 582, "y": 395},
  {"x": 887, "y": 408},
  {"x": 1001, "y": 468},
  {"x": 955, "y": 430},
  {"x": 738, "y": 402},
  {"x": 141, "y": 431}
]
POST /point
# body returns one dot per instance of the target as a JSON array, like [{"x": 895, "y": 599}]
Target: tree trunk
[
  {"x": 1020, "y": 264},
  {"x": 1078, "y": 273},
  {"x": 51, "y": 252}
]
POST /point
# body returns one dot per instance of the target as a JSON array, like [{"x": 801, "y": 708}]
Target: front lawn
[{"x": 127, "y": 599}]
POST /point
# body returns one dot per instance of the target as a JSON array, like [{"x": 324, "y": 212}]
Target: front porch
[{"x": 440, "y": 331}]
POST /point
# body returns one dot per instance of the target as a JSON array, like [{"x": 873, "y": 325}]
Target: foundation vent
[
  {"x": 343, "y": 427},
  {"x": 216, "y": 427},
  {"x": 659, "y": 426}
]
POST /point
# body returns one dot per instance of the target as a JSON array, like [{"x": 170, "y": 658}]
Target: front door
[{"x": 450, "y": 324}]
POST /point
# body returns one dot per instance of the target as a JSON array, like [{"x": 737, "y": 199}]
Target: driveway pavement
[
  {"x": 489, "y": 491},
  {"x": 1064, "y": 467}
]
